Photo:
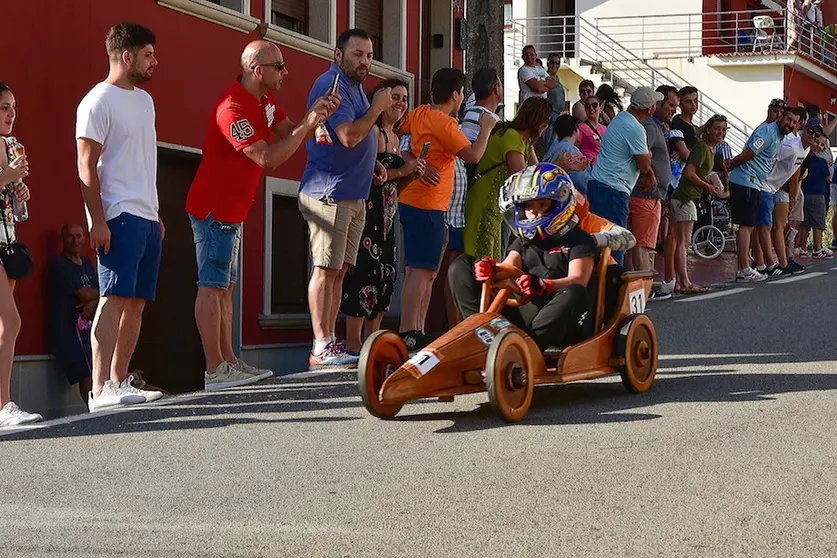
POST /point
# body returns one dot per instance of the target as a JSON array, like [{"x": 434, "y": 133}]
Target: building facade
[{"x": 198, "y": 46}]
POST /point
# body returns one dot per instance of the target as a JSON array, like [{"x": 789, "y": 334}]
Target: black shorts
[{"x": 744, "y": 204}]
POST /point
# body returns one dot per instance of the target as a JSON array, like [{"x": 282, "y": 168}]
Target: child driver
[{"x": 555, "y": 255}]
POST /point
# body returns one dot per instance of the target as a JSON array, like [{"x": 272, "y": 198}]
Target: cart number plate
[
  {"x": 424, "y": 361},
  {"x": 637, "y": 301}
]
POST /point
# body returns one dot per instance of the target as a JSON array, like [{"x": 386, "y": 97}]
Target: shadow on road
[{"x": 599, "y": 402}]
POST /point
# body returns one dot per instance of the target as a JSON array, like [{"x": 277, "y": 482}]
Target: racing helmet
[{"x": 543, "y": 181}]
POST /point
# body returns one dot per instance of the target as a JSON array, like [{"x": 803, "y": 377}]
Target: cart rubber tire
[
  {"x": 637, "y": 344},
  {"x": 712, "y": 235},
  {"x": 509, "y": 375},
  {"x": 382, "y": 354}
]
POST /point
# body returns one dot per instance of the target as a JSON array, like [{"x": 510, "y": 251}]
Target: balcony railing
[
  {"x": 575, "y": 38},
  {"x": 722, "y": 33}
]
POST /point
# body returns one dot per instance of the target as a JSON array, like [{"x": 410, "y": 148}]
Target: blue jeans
[
  {"x": 610, "y": 204},
  {"x": 216, "y": 246},
  {"x": 131, "y": 266}
]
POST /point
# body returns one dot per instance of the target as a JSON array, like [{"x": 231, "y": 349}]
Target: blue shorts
[
  {"x": 765, "y": 215},
  {"x": 609, "y": 204},
  {"x": 456, "y": 241},
  {"x": 217, "y": 246},
  {"x": 425, "y": 236},
  {"x": 131, "y": 266}
]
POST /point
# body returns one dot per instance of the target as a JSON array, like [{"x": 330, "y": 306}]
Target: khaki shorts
[
  {"x": 683, "y": 211},
  {"x": 334, "y": 230},
  {"x": 798, "y": 213}
]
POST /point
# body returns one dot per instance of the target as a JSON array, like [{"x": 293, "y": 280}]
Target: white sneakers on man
[
  {"x": 12, "y": 415},
  {"x": 226, "y": 376},
  {"x": 118, "y": 394}
]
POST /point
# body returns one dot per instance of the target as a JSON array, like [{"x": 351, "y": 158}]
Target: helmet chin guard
[{"x": 543, "y": 181}]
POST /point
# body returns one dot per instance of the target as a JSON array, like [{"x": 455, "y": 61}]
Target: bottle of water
[{"x": 20, "y": 209}]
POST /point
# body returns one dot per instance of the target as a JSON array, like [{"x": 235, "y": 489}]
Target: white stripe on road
[
  {"x": 719, "y": 355},
  {"x": 796, "y": 278},
  {"x": 834, "y": 269},
  {"x": 714, "y": 295}
]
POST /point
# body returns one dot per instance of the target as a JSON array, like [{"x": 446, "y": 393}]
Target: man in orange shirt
[{"x": 421, "y": 206}]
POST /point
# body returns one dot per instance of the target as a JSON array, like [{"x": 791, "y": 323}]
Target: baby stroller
[{"x": 713, "y": 228}]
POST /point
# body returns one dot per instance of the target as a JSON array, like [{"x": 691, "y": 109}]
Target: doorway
[{"x": 169, "y": 350}]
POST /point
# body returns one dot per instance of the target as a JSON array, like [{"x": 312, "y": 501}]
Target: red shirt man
[
  {"x": 226, "y": 181},
  {"x": 237, "y": 147}
]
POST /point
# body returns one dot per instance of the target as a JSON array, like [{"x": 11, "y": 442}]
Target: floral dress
[
  {"x": 7, "y": 226},
  {"x": 369, "y": 285}
]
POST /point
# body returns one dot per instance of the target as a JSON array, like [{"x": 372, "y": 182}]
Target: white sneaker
[
  {"x": 114, "y": 395},
  {"x": 258, "y": 373},
  {"x": 751, "y": 276},
  {"x": 149, "y": 395},
  {"x": 227, "y": 376},
  {"x": 823, "y": 253},
  {"x": 12, "y": 415}
]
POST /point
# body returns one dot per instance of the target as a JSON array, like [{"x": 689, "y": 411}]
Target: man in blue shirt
[
  {"x": 335, "y": 185},
  {"x": 624, "y": 156},
  {"x": 749, "y": 171}
]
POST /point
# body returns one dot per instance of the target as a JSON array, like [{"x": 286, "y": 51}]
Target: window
[
  {"x": 236, "y": 5},
  {"x": 369, "y": 17},
  {"x": 508, "y": 15},
  {"x": 290, "y": 14},
  {"x": 287, "y": 264}
]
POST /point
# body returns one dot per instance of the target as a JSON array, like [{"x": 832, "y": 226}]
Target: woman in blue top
[{"x": 566, "y": 133}]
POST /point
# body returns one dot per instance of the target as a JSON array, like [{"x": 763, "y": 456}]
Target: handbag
[{"x": 17, "y": 261}]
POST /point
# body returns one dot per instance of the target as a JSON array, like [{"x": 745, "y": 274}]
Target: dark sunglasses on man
[
  {"x": 814, "y": 132},
  {"x": 278, "y": 65}
]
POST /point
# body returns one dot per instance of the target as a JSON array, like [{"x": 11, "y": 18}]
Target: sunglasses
[
  {"x": 591, "y": 105},
  {"x": 586, "y": 91},
  {"x": 813, "y": 132},
  {"x": 553, "y": 63},
  {"x": 278, "y": 65}
]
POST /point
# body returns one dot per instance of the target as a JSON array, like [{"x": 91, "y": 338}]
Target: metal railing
[
  {"x": 575, "y": 38},
  {"x": 718, "y": 33}
]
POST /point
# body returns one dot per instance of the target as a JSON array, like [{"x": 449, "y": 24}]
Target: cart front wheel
[
  {"x": 509, "y": 376},
  {"x": 382, "y": 354}
]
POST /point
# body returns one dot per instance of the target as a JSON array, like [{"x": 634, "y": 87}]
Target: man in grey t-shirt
[{"x": 645, "y": 206}]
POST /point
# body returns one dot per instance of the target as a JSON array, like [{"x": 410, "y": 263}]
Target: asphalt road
[{"x": 732, "y": 453}]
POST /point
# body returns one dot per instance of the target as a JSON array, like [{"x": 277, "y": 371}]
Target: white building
[{"x": 740, "y": 54}]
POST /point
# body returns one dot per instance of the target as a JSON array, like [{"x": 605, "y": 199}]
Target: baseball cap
[
  {"x": 814, "y": 123},
  {"x": 644, "y": 98},
  {"x": 778, "y": 103}
]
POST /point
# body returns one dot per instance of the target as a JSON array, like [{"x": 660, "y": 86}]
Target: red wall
[
  {"x": 801, "y": 88},
  {"x": 458, "y": 54},
  {"x": 198, "y": 59}
]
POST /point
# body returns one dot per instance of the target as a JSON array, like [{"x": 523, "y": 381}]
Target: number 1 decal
[{"x": 424, "y": 362}]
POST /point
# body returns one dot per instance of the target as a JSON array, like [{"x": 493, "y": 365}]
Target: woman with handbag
[{"x": 15, "y": 259}]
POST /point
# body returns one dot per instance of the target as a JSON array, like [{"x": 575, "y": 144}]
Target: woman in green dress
[{"x": 510, "y": 149}]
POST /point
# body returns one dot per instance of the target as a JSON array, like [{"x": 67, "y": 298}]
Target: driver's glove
[
  {"x": 532, "y": 285},
  {"x": 484, "y": 269}
]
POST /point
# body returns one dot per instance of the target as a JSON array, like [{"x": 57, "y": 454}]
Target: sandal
[{"x": 692, "y": 290}]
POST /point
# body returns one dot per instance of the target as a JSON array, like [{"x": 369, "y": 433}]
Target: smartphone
[
  {"x": 333, "y": 89},
  {"x": 424, "y": 149}
]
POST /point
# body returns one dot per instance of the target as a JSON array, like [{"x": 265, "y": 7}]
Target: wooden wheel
[
  {"x": 382, "y": 354},
  {"x": 509, "y": 376},
  {"x": 637, "y": 344}
]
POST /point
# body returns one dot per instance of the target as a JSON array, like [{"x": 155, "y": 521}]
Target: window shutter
[
  {"x": 368, "y": 16},
  {"x": 291, "y": 8}
]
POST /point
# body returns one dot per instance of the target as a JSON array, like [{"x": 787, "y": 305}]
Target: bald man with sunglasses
[{"x": 248, "y": 132}]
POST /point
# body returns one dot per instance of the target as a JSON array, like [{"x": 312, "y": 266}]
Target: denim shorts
[
  {"x": 131, "y": 266},
  {"x": 217, "y": 246},
  {"x": 766, "y": 204},
  {"x": 456, "y": 241},
  {"x": 781, "y": 197},
  {"x": 425, "y": 236}
]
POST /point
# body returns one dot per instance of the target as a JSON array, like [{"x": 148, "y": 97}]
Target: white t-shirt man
[
  {"x": 790, "y": 158},
  {"x": 123, "y": 122},
  {"x": 524, "y": 74}
]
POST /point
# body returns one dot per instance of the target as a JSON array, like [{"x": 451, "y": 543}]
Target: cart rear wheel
[
  {"x": 509, "y": 376},
  {"x": 708, "y": 242},
  {"x": 637, "y": 344},
  {"x": 382, "y": 354}
]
